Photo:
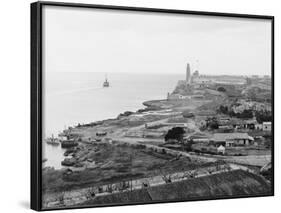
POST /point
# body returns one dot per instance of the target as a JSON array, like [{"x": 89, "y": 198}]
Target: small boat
[
  {"x": 97, "y": 139},
  {"x": 68, "y": 162},
  {"x": 69, "y": 151},
  {"x": 52, "y": 141},
  {"x": 44, "y": 160},
  {"x": 69, "y": 143},
  {"x": 106, "y": 83},
  {"x": 101, "y": 134}
]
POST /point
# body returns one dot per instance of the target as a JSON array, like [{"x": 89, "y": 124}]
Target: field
[
  {"x": 114, "y": 163},
  {"x": 233, "y": 151}
]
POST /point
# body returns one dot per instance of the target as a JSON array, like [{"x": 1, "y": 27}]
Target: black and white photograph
[{"x": 146, "y": 106}]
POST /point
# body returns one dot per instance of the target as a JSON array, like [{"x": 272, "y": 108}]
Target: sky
[{"x": 107, "y": 41}]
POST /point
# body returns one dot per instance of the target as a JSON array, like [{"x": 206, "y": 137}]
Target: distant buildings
[
  {"x": 201, "y": 81},
  {"x": 196, "y": 74},
  {"x": 176, "y": 97},
  {"x": 232, "y": 85}
]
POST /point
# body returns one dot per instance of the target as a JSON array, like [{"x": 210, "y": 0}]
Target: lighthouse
[{"x": 188, "y": 74}]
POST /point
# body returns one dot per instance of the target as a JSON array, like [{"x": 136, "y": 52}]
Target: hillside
[{"x": 234, "y": 183}]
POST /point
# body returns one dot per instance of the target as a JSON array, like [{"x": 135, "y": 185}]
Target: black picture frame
[{"x": 36, "y": 91}]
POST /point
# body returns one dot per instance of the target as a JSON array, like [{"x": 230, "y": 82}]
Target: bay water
[{"x": 70, "y": 98}]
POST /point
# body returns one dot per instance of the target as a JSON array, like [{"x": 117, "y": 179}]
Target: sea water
[{"x": 70, "y": 98}]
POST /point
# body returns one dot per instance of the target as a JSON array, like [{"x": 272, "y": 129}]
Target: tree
[
  {"x": 223, "y": 109},
  {"x": 90, "y": 193},
  {"x": 60, "y": 197},
  {"x": 188, "y": 145},
  {"x": 263, "y": 116},
  {"x": 212, "y": 123},
  {"x": 165, "y": 175},
  {"x": 175, "y": 133},
  {"x": 221, "y": 89},
  {"x": 247, "y": 113},
  {"x": 252, "y": 92},
  {"x": 167, "y": 178}
]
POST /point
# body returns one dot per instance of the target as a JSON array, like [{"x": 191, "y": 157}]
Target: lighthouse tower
[{"x": 188, "y": 74}]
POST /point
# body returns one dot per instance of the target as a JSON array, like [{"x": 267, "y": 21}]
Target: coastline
[{"x": 131, "y": 147}]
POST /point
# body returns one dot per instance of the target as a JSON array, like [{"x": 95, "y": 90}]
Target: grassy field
[
  {"x": 233, "y": 151},
  {"x": 115, "y": 163}
]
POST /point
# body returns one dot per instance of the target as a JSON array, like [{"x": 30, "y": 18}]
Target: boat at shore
[
  {"x": 68, "y": 143},
  {"x": 68, "y": 162},
  {"x": 52, "y": 141},
  {"x": 69, "y": 151}
]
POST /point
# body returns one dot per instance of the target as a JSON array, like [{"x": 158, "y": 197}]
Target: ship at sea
[
  {"x": 52, "y": 141},
  {"x": 106, "y": 83}
]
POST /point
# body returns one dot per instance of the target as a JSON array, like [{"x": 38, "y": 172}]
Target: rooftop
[{"x": 231, "y": 136}]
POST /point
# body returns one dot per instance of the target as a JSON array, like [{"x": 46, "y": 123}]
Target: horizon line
[{"x": 164, "y": 73}]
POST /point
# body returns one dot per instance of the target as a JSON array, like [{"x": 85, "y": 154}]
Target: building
[
  {"x": 231, "y": 139},
  {"x": 258, "y": 126},
  {"x": 266, "y": 76},
  {"x": 197, "y": 96},
  {"x": 245, "y": 124},
  {"x": 188, "y": 74},
  {"x": 202, "y": 80},
  {"x": 176, "y": 97},
  {"x": 196, "y": 74},
  {"x": 221, "y": 150},
  {"x": 266, "y": 126},
  {"x": 237, "y": 123}
]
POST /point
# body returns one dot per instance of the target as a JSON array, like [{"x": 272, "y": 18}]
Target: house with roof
[
  {"x": 243, "y": 123},
  {"x": 266, "y": 126},
  {"x": 221, "y": 150},
  {"x": 258, "y": 126},
  {"x": 231, "y": 139}
]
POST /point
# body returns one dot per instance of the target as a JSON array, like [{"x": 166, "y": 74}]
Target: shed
[
  {"x": 221, "y": 149},
  {"x": 266, "y": 126}
]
